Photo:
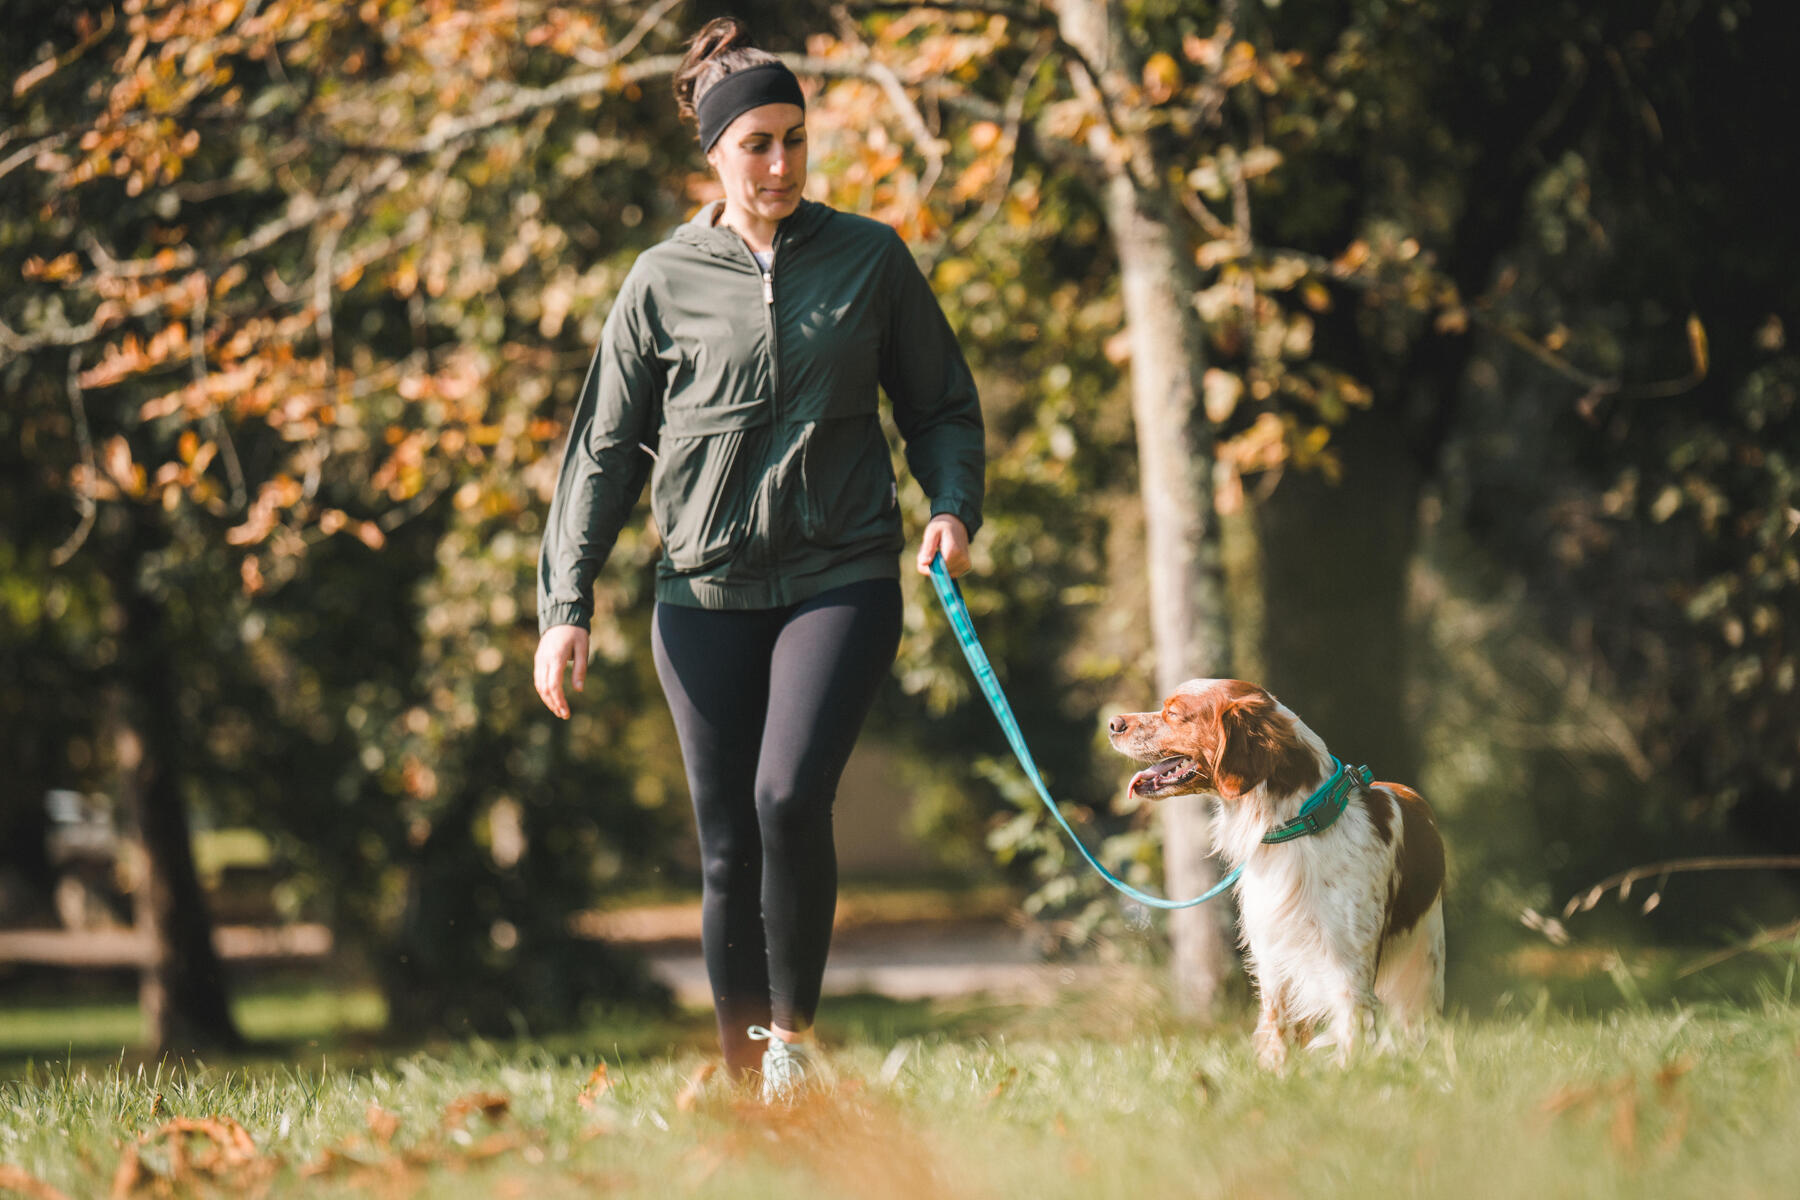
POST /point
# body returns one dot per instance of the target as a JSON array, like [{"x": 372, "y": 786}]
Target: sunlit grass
[{"x": 1095, "y": 1095}]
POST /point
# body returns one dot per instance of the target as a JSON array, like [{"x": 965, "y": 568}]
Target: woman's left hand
[{"x": 945, "y": 535}]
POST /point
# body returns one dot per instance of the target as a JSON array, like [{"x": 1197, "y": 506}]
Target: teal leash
[{"x": 951, "y": 597}]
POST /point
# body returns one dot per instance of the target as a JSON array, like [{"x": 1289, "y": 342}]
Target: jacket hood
[{"x": 699, "y": 230}]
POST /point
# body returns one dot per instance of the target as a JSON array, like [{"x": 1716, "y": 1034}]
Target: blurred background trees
[{"x": 1481, "y": 401}]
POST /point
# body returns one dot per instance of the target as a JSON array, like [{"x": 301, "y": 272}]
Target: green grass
[
  {"x": 1097, "y": 1095},
  {"x": 321, "y": 1013}
]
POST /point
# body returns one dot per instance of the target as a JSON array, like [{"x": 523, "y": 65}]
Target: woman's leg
[
  {"x": 831, "y": 656},
  {"x": 714, "y": 668}
]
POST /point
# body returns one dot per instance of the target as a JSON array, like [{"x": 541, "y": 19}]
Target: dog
[{"x": 1336, "y": 925}]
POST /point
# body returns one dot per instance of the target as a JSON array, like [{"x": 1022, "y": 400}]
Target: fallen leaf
[
  {"x": 13, "y": 1179},
  {"x": 129, "y": 1171},
  {"x": 596, "y": 1084},
  {"x": 1670, "y": 1073},
  {"x": 495, "y": 1144},
  {"x": 690, "y": 1094},
  {"x": 492, "y": 1105},
  {"x": 1567, "y": 1097},
  {"x": 382, "y": 1123},
  {"x": 1625, "y": 1122}
]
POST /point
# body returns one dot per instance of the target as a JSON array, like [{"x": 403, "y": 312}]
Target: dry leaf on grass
[
  {"x": 382, "y": 1124},
  {"x": 494, "y": 1145},
  {"x": 211, "y": 1149},
  {"x": 14, "y": 1179},
  {"x": 690, "y": 1094},
  {"x": 492, "y": 1105},
  {"x": 1624, "y": 1128},
  {"x": 127, "y": 1174},
  {"x": 596, "y": 1085},
  {"x": 1670, "y": 1073}
]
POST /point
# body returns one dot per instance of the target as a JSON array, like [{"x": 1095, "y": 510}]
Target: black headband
[{"x": 739, "y": 92}]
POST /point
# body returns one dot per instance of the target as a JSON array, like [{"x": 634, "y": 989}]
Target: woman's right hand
[{"x": 559, "y": 645}]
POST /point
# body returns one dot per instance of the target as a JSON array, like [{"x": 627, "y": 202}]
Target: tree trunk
[
  {"x": 182, "y": 991},
  {"x": 1175, "y": 456}
]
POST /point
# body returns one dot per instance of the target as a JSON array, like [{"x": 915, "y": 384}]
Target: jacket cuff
[
  {"x": 968, "y": 513},
  {"x": 552, "y": 615}
]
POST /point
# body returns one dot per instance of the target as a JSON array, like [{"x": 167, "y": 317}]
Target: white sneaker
[{"x": 786, "y": 1067}]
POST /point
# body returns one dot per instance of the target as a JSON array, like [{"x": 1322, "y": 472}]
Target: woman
[{"x": 738, "y": 371}]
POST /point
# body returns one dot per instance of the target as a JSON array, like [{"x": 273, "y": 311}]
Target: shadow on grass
[
  {"x": 345, "y": 1027},
  {"x": 294, "y": 1022}
]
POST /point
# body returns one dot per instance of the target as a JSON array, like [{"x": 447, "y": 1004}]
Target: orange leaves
[
  {"x": 492, "y": 1105},
  {"x": 401, "y": 1169},
  {"x": 689, "y": 1097},
  {"x": 566, "y": 31},
  {"x": 1162, "y": 77},
  {"x": 13, "y": 1179},
  {"x": 1628, "y": 1115},
  {"x": 128, "y": 356},
  {"x": 597, "y": 1085},
  {"x": 984, "y": 136},
  {"x": 60, "y": 269},
  {"x": 278, "y": 493},
  {"x": 1207, "y": 52},
  {"x": 213, "y": 1150},
  {"x": 126, "y": 475},
  {"x": 382, "y": 1124}
]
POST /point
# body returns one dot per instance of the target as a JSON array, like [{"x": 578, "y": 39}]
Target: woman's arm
[
  {"x": 604, "y": 466},
  {"x": 935, "y": 407}
]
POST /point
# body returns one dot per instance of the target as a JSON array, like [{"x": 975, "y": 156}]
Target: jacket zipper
[
  {"x": 768, "y": 290},
  {"x": 768, "y": 286}
]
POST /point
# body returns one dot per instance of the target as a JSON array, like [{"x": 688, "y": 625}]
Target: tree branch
[
  {"x": 928, "y": 144},
  {"x": 234, "y": 470},
  {"x": 24, "y": 153},
  {"x": 1009, "y": 141},
  {"x": 613, "y": 54},
  {"x": 84, "y": 495},
  {"x": 989, "y": 8},
  {"x": 1583, "y": 901}
]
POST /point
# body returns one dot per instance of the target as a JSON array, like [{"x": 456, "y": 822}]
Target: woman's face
[{"x": 761, "y": 160}]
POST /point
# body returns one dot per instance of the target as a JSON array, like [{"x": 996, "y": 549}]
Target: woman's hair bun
[{"x": 722, "y": 46}]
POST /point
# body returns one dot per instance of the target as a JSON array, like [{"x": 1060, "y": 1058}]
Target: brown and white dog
[{"x": 1333, "y": 923}]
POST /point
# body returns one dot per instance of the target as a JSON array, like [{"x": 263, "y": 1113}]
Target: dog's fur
[{"x": 1334, "y": 923}]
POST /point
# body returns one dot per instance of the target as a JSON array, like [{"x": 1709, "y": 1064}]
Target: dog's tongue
[{"x": 1147, "y": 780}]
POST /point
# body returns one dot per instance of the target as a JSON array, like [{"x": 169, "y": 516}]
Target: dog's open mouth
[{"x": 1166, "y": 775}]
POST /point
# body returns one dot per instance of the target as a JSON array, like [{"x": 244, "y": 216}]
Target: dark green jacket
[{"x": 750, "y": 403}]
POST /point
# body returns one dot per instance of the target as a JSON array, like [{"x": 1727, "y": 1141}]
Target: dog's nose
[{"x": 1117, "y": 724}]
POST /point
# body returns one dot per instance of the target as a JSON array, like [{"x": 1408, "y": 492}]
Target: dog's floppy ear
[{"x": 1250, "y": 741}]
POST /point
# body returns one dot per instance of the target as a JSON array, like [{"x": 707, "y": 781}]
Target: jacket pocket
[
  {"x": 704, "y": 490},
  {"x": 848, "y": 482}
]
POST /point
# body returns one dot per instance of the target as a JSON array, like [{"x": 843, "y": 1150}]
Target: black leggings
[{"x": 767, "y": 704}]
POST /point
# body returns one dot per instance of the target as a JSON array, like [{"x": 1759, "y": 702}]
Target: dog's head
[{"x": 1222, "y": 736}]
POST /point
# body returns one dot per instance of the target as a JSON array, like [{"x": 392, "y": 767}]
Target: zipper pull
[{"x": 768, "y": 287}]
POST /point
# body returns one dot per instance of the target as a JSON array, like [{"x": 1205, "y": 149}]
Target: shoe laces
[{"x": 784, "y": 1066}]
